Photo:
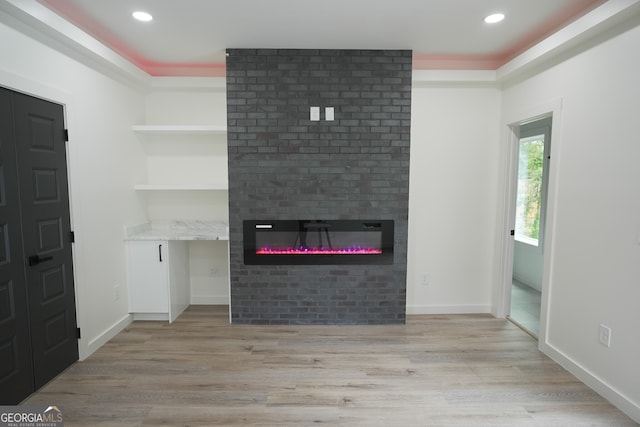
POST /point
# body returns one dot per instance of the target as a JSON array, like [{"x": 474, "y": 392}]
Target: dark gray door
[
  {"x": 46, "y": 258},
  {"x": 16, "y": 369}
]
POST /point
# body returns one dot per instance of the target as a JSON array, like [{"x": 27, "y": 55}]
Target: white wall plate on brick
[{"x": 328, "y": 114}]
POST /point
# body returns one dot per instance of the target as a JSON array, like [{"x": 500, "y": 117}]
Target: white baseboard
[
  {"x": 209, "y": 300},
  {"x": 448, "y": 309},
  {"x": 88, "y": 349},
  {"x": 525, "y": 282},
  {"x": 617, "y": 399},
  {"x": 160, "y": 317}
]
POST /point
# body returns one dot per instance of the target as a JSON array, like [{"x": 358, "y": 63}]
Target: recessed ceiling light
[
  {"x": 494, "y": 18},
  {"x": 142, "y": 16}
]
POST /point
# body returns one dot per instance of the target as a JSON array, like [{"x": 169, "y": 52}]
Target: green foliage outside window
[{"x": 530, "y": 168}]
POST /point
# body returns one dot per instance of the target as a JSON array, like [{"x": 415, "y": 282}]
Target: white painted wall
[
  {"x": 191, "y": 159},
  {"x": 452, "y": 198},
  {"x": 104, "y": 160},
  {"x": 527, "y": 264},
  {"x": 594, "y": 276}
]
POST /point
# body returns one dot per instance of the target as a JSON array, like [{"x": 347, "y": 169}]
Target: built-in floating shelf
[
  {"x": 183, "y": 129},
  {"x": 179, "y": 187}
]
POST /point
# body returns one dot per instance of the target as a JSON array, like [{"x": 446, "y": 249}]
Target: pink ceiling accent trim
[
  {"x": 455, "y": 62},
  {"x": 76, "y": 16},
  {"x": 558, "y": 21},
  {"x": 467, "y": 62},
  {"x": 91, "y": 26},
  {"x": 157, "y": 69},
  {"x": 420, "y": 61}
]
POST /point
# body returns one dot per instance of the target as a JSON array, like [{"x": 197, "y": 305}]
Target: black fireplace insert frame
[{"x": 385, "y": 228}]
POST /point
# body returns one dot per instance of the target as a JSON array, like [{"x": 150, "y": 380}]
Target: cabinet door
[
  {"x": 179, "y": 287},
  {"x": 149, "y": 276}
]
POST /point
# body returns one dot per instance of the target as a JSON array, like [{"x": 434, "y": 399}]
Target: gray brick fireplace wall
[{"x": 282, "y": 165}]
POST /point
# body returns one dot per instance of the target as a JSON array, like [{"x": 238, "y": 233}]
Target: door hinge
[
  {"x": 65, "y": 135},
  {"x": 72, "y": 236},
  {"x": 512, "y": 232},
  {"x": 78, "y": 333}
]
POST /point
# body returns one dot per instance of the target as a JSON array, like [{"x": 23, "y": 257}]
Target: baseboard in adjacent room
[
  {"x": 209, "y": 300},
  {"x": 448, "y": 309}
]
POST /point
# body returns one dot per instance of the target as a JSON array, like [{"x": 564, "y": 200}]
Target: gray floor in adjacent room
[{"x": 525, "y": 307}]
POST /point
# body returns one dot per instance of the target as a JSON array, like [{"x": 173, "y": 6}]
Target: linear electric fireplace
[{"x": 313, "y": 242}]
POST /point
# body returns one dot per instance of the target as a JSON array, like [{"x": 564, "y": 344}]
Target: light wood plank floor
[{"x": 454, "y": 370}]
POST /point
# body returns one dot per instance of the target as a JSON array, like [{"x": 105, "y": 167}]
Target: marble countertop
[{"x": 179, "y": 230}]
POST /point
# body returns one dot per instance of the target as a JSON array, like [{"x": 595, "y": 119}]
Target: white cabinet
[{"x": 158, "y": 279}]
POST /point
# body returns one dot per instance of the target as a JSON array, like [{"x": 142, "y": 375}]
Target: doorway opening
[{"x": 534, "y": 143}]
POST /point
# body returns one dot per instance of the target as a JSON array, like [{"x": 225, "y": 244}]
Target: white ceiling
[{"x": 189, "y": 37}]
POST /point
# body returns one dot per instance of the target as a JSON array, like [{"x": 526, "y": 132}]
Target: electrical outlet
[
  {"x": 605, "y": 335},
  {"x": 116, "y": 292},
  {"x": 424, "y": 278}
]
